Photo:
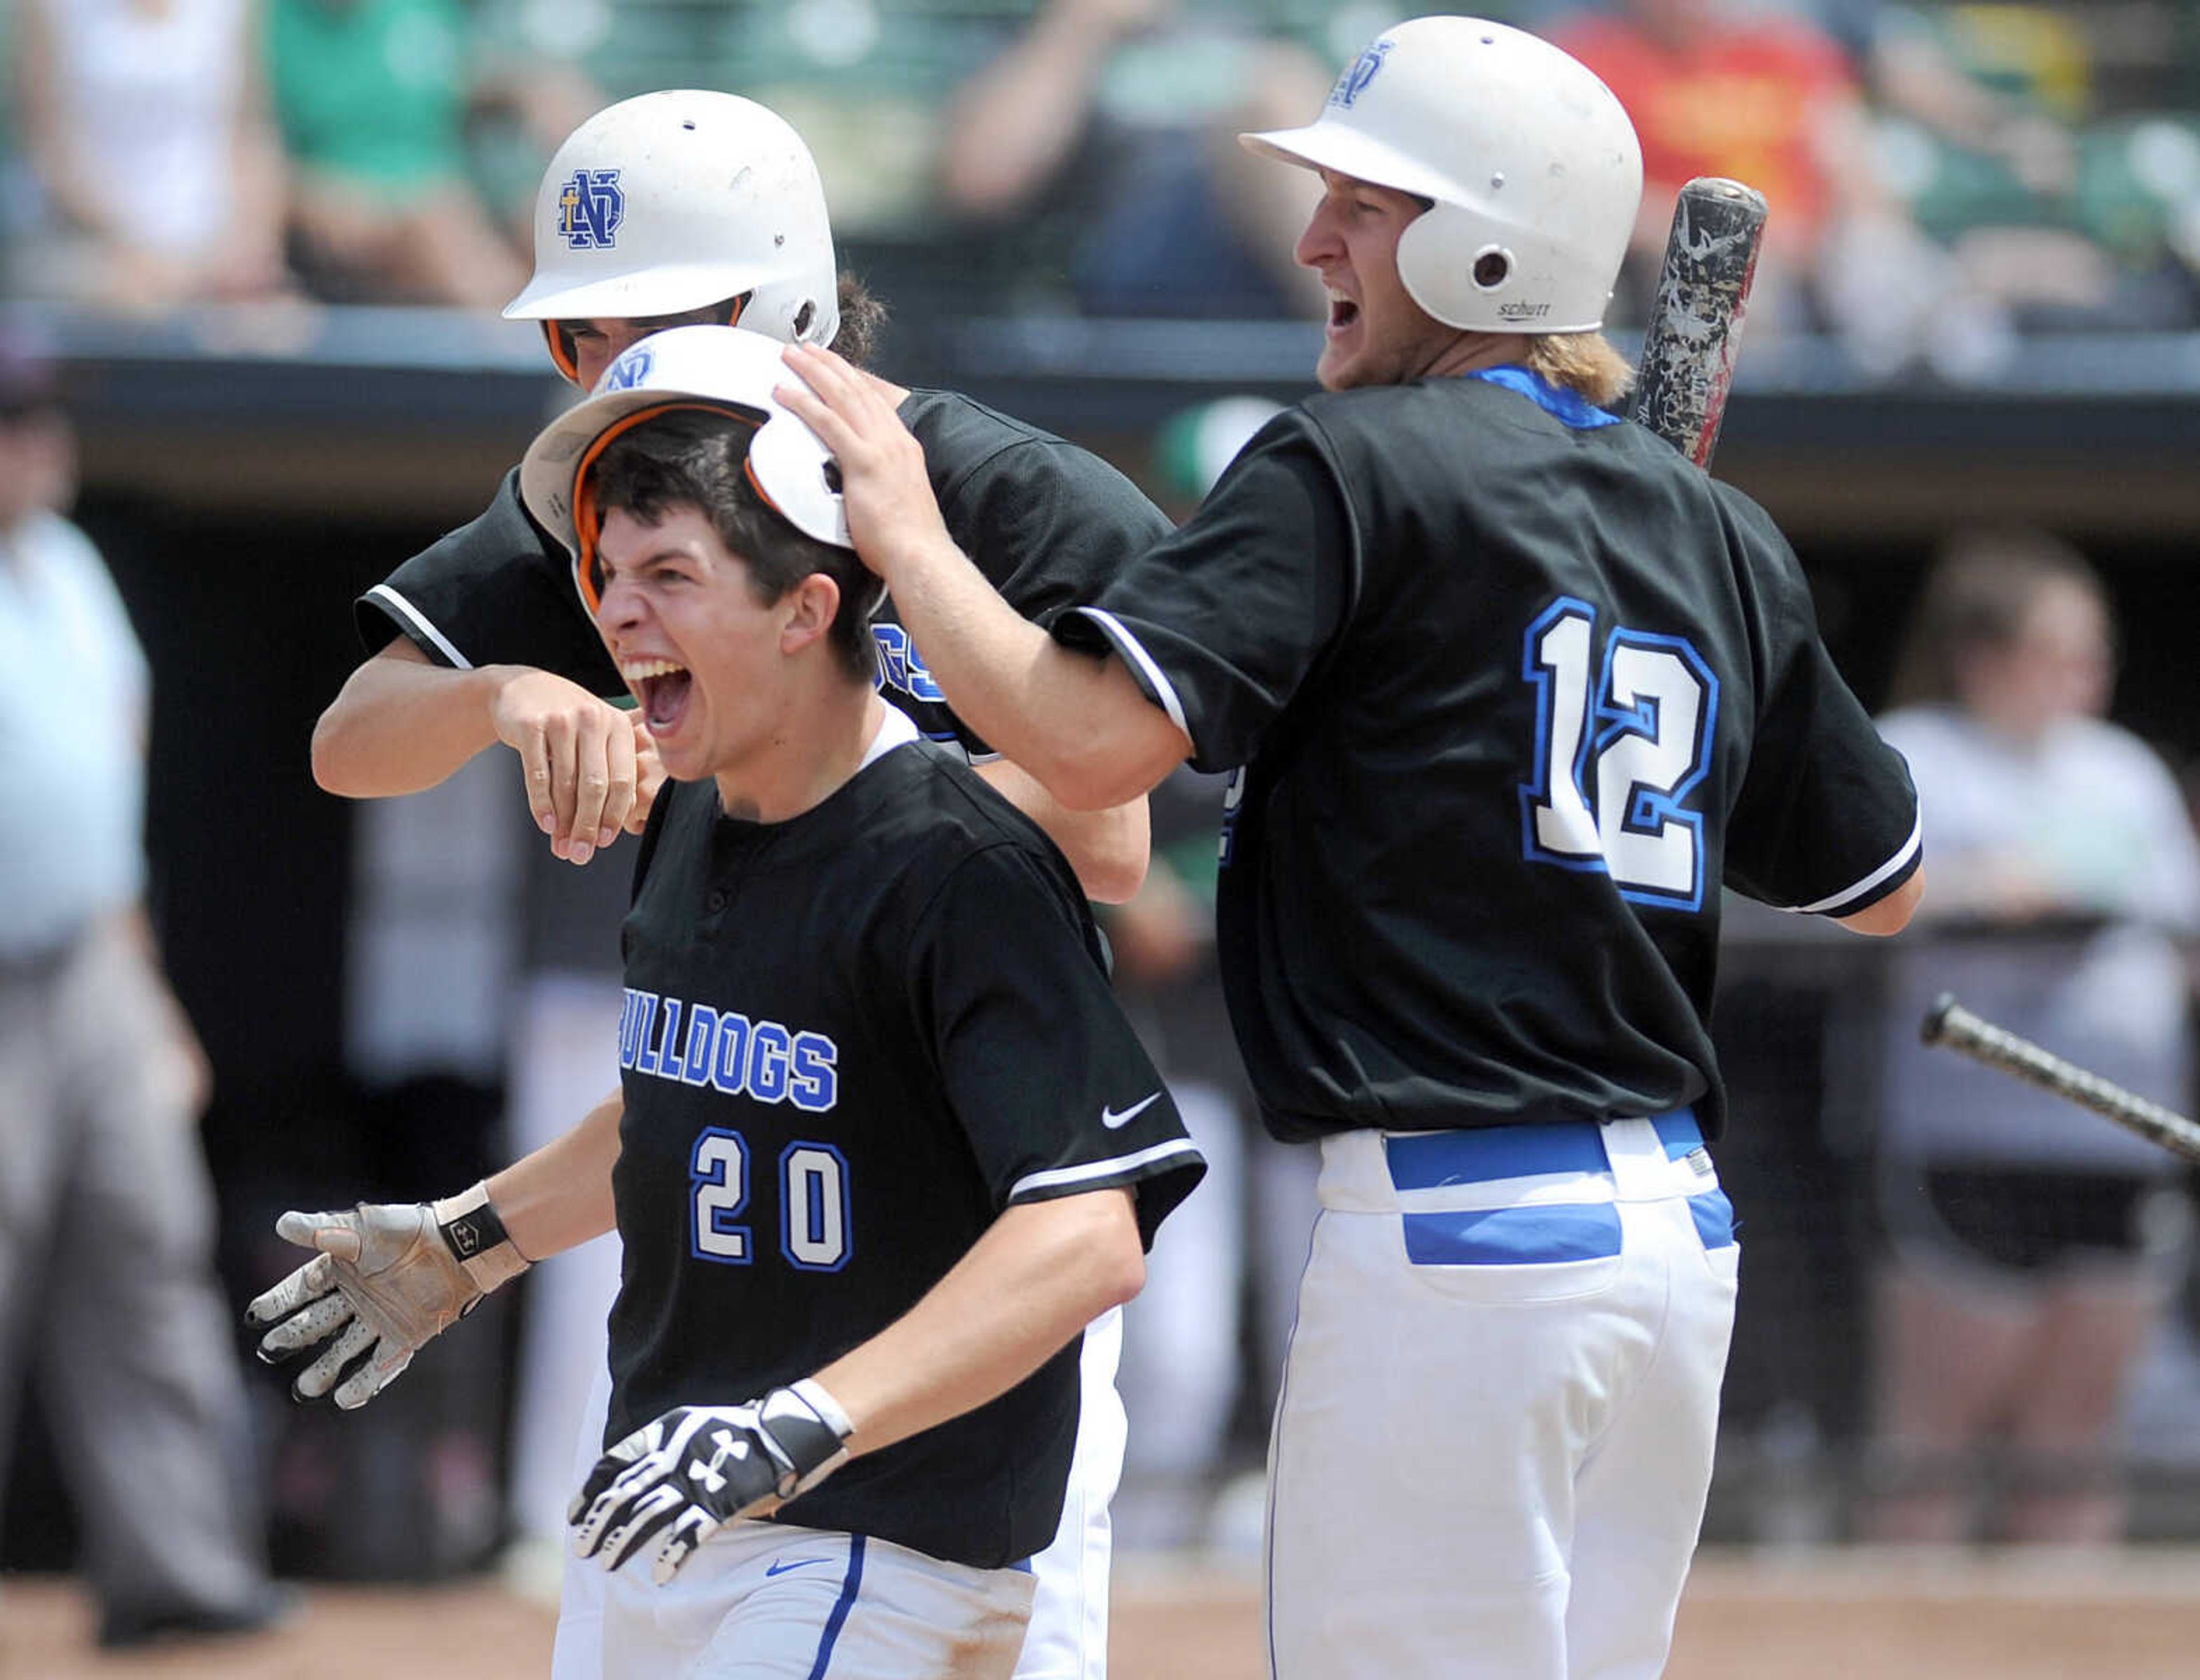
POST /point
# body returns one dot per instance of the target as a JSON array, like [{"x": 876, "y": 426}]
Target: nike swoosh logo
[
  {"x": 776, "y": 1567},
  {"x": 1111, "y": 1120}
]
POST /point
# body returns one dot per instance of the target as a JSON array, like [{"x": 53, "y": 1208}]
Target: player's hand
[
  {"x": 891, "y": 512},
  {"x": 385, "y": 1282},
  {"x": 648, "y": 777},
  {"x": 577, "y": 753},
  {"x": 672, "y": 1485}
]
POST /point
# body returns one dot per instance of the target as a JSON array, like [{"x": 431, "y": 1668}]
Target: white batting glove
[
  {"x": 388, "y": 1277},
  {"x": 674, "y": 1483}
]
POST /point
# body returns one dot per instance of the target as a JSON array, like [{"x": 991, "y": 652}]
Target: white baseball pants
[
  {"x": 1068, "y": 1636},
  {"x": 767, "y": 1602},
  {"x": 1494, "y": 1437}
]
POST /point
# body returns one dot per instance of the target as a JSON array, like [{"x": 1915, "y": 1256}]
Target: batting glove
[
  {"x": 388, "y": 1277},
  {"x": 673, "y": 1484}
]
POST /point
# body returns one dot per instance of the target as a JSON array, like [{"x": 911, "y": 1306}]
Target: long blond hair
[{"x": 1584, "y": 362}]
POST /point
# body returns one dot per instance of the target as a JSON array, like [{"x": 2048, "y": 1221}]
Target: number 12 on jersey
[{"x": 1624, "y": 729}]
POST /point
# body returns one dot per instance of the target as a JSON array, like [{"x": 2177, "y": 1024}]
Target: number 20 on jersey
[
  {"x": 812, "y": 1186},
  {"x": 1624, "y": 723}
]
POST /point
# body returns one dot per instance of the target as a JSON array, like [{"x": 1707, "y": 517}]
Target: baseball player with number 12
[
  {"x": 885, "y": 1142},
  {"x": 1514, "y": 690}
]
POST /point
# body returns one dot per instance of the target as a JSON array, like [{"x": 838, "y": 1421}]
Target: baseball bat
[
  {"x": 1695, "y": 332},
  {"x": 1949, "y": 1024}
]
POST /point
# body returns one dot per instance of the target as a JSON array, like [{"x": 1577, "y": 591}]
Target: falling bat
[{"x": 1949, "y": 1024}]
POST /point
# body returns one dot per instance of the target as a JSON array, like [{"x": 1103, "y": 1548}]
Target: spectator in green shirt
[{"x": 373, "y": 97}]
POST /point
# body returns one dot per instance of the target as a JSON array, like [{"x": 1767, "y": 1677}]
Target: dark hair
[
  {"x": 863, "y": 320},
  {"x": 1976, "y": 597},
  {"x": 863, "y": 323},
  {"x": 700, "y": 460}
]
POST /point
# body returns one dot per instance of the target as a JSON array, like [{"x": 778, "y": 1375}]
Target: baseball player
[
  {"x": 1514, "y": 690},
  {"x": 884, "y": 1143},
  {"x": 642, "y": 221},
  {"x": 674, "y": 208}
]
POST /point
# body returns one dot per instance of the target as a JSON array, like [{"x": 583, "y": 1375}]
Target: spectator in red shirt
[{"x": 1768, "y": 99}]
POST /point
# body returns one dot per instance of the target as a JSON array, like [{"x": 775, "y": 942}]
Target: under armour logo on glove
[
  {"x": 674, "y": 1483},
  {"x": 707, "y": 1472}
]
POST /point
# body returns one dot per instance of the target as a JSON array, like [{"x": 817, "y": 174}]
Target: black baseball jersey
[
  {"x": 1047, "y": 524},
  {"x": 850, "y": 1040},
  {"x": 1514, "y": 689}
]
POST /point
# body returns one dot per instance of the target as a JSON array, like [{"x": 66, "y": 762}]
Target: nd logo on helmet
[
  {"x": 590, "y": 208},
  {"x": 629, "y": 371},
  {"x": 1357, "y": 74}
]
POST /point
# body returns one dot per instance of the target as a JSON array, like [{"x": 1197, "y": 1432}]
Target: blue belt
[{"x": 1538, "y": 1233}]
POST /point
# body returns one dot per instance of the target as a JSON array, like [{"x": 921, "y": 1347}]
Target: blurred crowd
[{"x": 1944, "y": 178}]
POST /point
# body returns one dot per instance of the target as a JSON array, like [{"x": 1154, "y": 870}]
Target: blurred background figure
[
  {"x": 107, "y": 1216},
  {"x": 1204, "y": 1342},
  {"x": 2029, "y": 1246},
  {"x": 376, "y": 99},
  {"x": 1943, "y": 178},
  {"x": 1119, "y": 119},
  {"x": 1183, "y": 1354},
  {"x": 155, "y": 177},
  {"x": 2063, "y": 194},
  {"x": 1764, "y": 96},
  {"x": 371, "y": 95}
]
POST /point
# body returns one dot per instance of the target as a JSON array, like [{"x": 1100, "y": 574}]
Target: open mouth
[
  {"x": 1342, "y": 313},
  {"x": 662, "y": 688}
]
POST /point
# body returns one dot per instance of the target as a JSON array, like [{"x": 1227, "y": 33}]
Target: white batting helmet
[
  {"x": 726, "y": 369},
  {"x": 671, "y": 201},
  {"x": 1532, "y": 167}
]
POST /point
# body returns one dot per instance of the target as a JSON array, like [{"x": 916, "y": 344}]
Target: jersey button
[{"x": 716, "y": 902}]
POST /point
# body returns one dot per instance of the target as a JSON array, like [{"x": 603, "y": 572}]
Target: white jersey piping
[
  {"x": 411, "y": 615},
  {"x": 1056, "y": 1176},
  {"x": 1128, "y": 645},
  {"x": 1909, "y": 851}
]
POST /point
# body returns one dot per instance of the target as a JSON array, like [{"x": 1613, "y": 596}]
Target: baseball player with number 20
[
  {"x": 1515, "y": 689},
  {"x": 885, "y": 1142},
  {"x": 678, "y": 208}
]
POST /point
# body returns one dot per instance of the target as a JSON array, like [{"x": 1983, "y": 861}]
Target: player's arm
[
  {"x": 560, "y": 1196},
  {"x": 1890, "y": 914},
  {"x": 1109, "y": 849},
  {"x": 1079, "y": 724},
  {"x": 46, "y": 131},
  {"x": 1041, "y": 1272},
  {"x": 1013, "y": 124},
  {"x": 386, "y": 1278},
  {"x": 401, "y": 723}
]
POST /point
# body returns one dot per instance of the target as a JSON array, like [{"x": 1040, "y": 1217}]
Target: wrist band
[
  {"x": 815, "y": 1395},
  {"x": 476, "y": 1234}
]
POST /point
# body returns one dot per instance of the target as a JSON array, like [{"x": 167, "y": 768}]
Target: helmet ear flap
[
  {"x": 1436, "y": 264},
  {"x": 563, "y": 356},
  {"x": 1473, "y": 271}
]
